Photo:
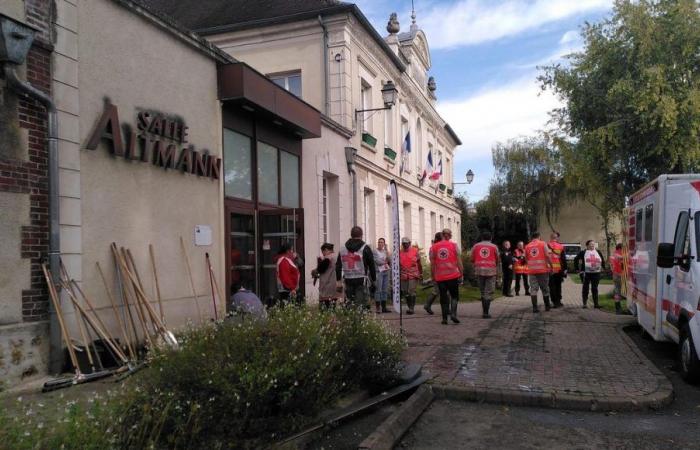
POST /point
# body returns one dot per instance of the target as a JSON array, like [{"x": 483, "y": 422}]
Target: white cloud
[
  {"x": 497, "y": 114},
  {"x": 470, "y": 22}
]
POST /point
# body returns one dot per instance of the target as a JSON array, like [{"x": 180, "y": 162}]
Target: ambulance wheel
[{"x": 688, "y": 357}]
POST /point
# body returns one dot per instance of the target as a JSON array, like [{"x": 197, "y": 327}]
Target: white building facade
[{"x": 336, "y": 61}]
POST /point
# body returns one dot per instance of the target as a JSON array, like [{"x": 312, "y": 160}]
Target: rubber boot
[
  {"x": 453, "y": 310},
  {"x": 595, "y": 302},
  {"x": 533, "y": 298},
  {"x": 585, "y": 303},
  {"x": 485, "y": 304},
  {"x": 376, "y": 307},
  {"x": 383, "y": 305},
  {"x": 428, "y": 304},
  {"x": 547, "y": 305},
  {"x": 618, "y": 308},
  {"x": 411, "y": 303}
]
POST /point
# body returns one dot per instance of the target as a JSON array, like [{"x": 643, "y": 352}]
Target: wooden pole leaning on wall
[
  {"x": 93, "y": 310},
  {"x": 53, "y": 295},
  {"x": 189, "y": 273},
  {"x": 122, "y": 288},
  {"x": 159, "y": 326},
  {"x": 101, "y": 332},
  {"x": 122, "y": 329},
  {"x": 155, "y": 282},
  {"x": 127, "y": 289},
  {"x": 130, "y": 266},
  {"x": 130, "y": 288}
]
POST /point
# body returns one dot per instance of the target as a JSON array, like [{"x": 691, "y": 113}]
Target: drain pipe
[
  {"x": 325, "y": 65},
  {"x": 350, "y": 153},
  {"x": 55, "y": 349}
]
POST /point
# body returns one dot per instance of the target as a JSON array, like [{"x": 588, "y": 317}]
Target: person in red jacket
[
  {"x": 617, "y": 263},
  {"x": 411, "y": 272},
  {"x": 485, "y": 259},
  {"x": 447, "y": 270},
  {"x": 539, "y": 266},
  {"x": 287, "y": 274}
]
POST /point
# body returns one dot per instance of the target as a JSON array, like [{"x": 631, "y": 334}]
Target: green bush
[{"x": 238, "y": 385}]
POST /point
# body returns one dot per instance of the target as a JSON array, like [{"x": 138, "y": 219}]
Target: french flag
[
  {"x": 438, "y": 172},
  {"x": 428, "y": 170}
]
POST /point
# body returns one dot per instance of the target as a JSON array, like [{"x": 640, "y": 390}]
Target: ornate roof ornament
[
  {"x": 393, "y": 25},
  {"x": 432, "y": 86}
]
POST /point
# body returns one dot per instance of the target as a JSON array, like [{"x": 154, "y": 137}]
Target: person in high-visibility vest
[
  {"x": 411, "y": 272},
  {"x": 520, "y": 268},
  {"x": 539, "y": 265},
  {"x": 485, "y": 259},
  {"x": 617, "y": 263},
  {"x": 434, "y": 292},
  {"x": 556, "y": 278},
  {"x": 447, "y": 269},
  {"x": 590, "y": 264}
]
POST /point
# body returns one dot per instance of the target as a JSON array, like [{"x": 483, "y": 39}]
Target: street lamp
[
  {"x": 388, "y": 97},
  {"x": 470, "y": 177}
]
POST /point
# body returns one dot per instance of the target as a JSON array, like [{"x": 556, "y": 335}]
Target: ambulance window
[
  {"x": 638, "y": 226},
  {"x": 681, "y": 241},
  {"x": 648, "y": 222}
]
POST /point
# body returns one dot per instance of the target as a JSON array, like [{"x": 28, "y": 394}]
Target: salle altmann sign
[{"x": 158, "y": 139}]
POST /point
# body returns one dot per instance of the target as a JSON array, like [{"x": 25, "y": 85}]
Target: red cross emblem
[
  {"x": 534, "y": 251},
  {"x": 443, "y": 253},
  {"x": 484, "y": 252}
]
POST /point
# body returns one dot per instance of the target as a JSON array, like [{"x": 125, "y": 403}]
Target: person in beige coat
[{"x": 325, "y": 276}]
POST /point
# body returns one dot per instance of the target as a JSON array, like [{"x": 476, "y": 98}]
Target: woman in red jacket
[{"x": 287, "y": 274}]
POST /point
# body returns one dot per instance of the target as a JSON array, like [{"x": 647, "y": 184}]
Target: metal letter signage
[{"x": 159, "y": 140}]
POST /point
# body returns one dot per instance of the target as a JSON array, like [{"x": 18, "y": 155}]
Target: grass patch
[
  {"x": 607, "y": 303},
  {"x": 577, "y": 279},
  {"x": 236, "y": 384},
  {"x": 467, "y": 294}
]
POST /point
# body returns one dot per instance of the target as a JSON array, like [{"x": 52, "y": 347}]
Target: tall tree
[
  {"x": 631, "y": 100},
  {"x": 528, "y": 178}
]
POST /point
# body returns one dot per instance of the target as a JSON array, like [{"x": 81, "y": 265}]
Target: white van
[{"x": 663, "y": 232}]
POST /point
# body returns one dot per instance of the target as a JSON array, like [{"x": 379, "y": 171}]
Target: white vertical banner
[{"x": 396, "y": 248}]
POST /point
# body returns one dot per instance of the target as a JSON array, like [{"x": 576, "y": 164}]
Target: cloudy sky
[{"x": 484, "y": 55}]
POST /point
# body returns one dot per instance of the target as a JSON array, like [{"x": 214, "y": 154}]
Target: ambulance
[{"x": 663, "y": 271}]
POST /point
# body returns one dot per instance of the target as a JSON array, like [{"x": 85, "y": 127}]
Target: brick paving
[{"x": 567, "y": 357}]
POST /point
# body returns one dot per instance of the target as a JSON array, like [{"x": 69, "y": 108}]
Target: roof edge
[
  {"x": 452, "y": 134},
  {"x": 169, "y": 25},
  {"x": 345, "y": 7}
]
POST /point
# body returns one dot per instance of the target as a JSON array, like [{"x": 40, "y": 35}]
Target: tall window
[
  {"x": 388, "y": 141},
  {"x": 417, "y": 144},
  {"x": 278, "y": 176},
  {"x": 421, "y": 227},
  {"x": 370, "y": 222},
  {"x": 433, "y": 224},
  {"x": 366, "y": 102},
  {"x": 237, "y": 165},
  {"x": 290, "y": 81},
  {"x": 407, "y": 221},
  {"x": 324, "y": 211},
  {"x": 404, "y": 156}
]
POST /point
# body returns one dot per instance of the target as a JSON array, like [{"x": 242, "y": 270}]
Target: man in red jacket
[
  {"x": 485, "y": 259},
  {"x": 411, "y": 272},
  {"x": 287, "y": 274}
]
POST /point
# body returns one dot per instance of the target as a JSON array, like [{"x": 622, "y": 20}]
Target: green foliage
[
  {"x": 231, "y": 385},
  {"x": 528, "y": 180},
  {"x": 631, "y": 100}
]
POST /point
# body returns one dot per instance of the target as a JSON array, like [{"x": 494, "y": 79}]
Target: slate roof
[{"x": 206, "y": 17}]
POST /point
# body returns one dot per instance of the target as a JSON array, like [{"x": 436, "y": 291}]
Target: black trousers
[
  {"x": 449, "y": 291},
  {"x": 555, "y": 281},
  {"x": 590, "y": 280},
  {"x": 507, "y": 281},
  {"x": 518, "y": 276}
]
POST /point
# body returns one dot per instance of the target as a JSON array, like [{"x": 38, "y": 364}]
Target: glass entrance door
[
  {"x": 242, "y": 252},
  {"x": 277, "y": 227}
]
